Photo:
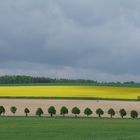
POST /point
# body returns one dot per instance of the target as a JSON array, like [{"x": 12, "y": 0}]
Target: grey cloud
[{"x": 93, "y": 39}]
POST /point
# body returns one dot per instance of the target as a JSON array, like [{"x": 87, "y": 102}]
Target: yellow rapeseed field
[{"x": 70, "y": 91}]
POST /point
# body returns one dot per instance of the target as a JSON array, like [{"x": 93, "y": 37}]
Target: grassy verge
[{"x": 66, "y": 98}]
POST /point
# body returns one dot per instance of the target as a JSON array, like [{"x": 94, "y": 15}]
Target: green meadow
[{"x": 43, "y": 128}]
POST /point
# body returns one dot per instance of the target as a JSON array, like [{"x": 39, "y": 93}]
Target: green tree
[
  {"x": 2, "y": 110},
  {"x": 122, "y": 112},
  {"x": 52, "y": 110},
  {"x": 76, "y": 111},
  {"x": 99, "y": 112},
  {"x": 64, "y": 111},
  {"x": 134, "y": 114},
  {"x": 39, "y": 112},
  {"x": 88, "y": 111},
  {"x": 26, "y": 111},
  {"x": 13, "y": 109},
  {"x": 111, "y": 112}
]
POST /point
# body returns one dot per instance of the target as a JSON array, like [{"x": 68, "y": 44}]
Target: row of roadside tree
[{"x": 76, "y": 111}]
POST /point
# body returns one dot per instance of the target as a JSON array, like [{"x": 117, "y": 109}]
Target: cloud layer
[{"x": 91, "y": 39}]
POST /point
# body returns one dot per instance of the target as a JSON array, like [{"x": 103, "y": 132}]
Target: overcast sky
[{"x": 90, "y": 39}]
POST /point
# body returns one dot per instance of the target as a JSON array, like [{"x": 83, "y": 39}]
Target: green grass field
[{"x": 34, "y": 128}]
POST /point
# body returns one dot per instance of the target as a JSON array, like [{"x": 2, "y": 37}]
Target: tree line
[
  {"x": 23, "y": 79},
  {"x": 75, "y": 110},
  {"x": 19, "y": 79}
]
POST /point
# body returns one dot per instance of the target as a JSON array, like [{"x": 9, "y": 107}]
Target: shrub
[
  {"x": 87, "y": 111},
  {"x": 76, "y": 111},
  {"x": 13, "y": 109},
  {"x": 100, "y": 112},
  {"x": 122, "y": 112},
  {"x": 39, "y": 112},
  {"x": 52, "y": 111},
  {"x": 26, "y": 111},
  {"x": 64, "y": 111},
  {"x": 111, "y": 112},
  {"x": 134, "y": 114},
  {"x": 2, "y": 110}
]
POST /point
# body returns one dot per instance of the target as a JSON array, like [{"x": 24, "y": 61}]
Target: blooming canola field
[{"x": 70, "y": 92}]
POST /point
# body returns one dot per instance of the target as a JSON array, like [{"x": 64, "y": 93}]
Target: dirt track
[{"x": 33, "y": 104}]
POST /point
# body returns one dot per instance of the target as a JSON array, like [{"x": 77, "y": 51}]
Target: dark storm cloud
[{"x": 93, "y": 39}]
